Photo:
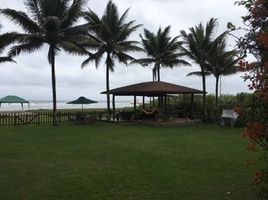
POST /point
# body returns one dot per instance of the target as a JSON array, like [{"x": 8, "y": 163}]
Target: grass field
[{"x": 123, "y": 162}]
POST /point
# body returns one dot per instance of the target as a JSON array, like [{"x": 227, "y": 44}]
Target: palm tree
[
  {"x": 111, "y": 33},
  {"x": 162, "y": 51},
  {"x": 4, "y": 58},
  {"x": 196, "y": 45},
  {"x": 51, "y": 22},
  {"x": 220, "y": 63}
]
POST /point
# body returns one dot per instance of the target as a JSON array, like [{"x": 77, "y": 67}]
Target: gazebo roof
[
  {"x": 13, "y": 99},
  {"x": 152, "y": 88}
]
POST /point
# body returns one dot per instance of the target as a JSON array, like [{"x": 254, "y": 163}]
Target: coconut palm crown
[
  {"x": 110, "y": 33},
  {"x": 51, "y": 22},
  {"x": 162, "y": 51},
  {"x": 197, "y": 45},
  {"x": 222, "y": 63}
]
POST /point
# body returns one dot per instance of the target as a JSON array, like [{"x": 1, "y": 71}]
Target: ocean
[{"x": 47, "y": 105}]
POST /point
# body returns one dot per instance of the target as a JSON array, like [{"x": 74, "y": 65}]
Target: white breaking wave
[{"x": 47, "y": 105}]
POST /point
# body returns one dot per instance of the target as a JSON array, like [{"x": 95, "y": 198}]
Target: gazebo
[
  {"x": 159, "y": 89},
  {"x": 14, "y": 99}
]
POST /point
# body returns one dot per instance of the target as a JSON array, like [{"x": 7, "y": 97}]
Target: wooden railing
[{"x": 35, "y": 118}]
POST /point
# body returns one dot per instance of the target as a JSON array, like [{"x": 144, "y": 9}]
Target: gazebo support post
[
  {"x": 153, "y": 102},
  {"x": 162, "y": 101},
  {"x": 113, "y": 102},
  {"x": 143, "y": 102},
  {"x": 165, "y": 103},
  {"x": 135, "y": 107},
  {"x": 192, "y": 105}
]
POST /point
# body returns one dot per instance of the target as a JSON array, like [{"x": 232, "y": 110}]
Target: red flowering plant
[{"x": 255, "y": 42}]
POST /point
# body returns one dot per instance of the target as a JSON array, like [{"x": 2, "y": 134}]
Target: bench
[{"x": 230, "y": 115}]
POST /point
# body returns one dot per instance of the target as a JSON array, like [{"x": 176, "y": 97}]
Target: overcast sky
[{"x": 31, "y": 78}]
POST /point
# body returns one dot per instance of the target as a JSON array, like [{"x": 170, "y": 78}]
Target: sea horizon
[{"x": 61, "y": 104}]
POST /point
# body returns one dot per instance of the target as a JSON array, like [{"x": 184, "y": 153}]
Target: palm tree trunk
[
  {"x": 155, "y": 72},
  {"x": 217, "y": 93},
  {"x": 108, "y": 88},
  {"x": 204, "y": 95},
  {"x": 53, "y": 78},
  {"x": 158, "y": 72}
]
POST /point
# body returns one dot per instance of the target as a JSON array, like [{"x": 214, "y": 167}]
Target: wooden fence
[{"x": 36, "y": 118}]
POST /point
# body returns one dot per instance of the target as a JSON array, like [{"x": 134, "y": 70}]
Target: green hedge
[{"x": 245, "y": 101}]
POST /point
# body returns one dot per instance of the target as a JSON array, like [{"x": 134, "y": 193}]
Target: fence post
[{"x": 15, "y": 119}]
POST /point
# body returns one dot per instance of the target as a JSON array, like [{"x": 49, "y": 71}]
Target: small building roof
[
  {"x": 152, "y": 88},
  {"x": 13, "y": 99}
]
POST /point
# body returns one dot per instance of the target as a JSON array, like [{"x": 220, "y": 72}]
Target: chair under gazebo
[{"x": 159, "y": 89}]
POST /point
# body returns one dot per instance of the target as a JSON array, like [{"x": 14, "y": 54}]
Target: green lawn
[{"x": 123, "y": 162}]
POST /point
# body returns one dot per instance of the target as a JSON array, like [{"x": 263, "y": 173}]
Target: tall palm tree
[
  {"x": 196, "y": 45},
  {"x": 162, "y": 51},
  {"x": 51, "y": 22},
  {"x": 220, "y": 63},
  {"x": 111, "y": 33},
  {"x": 4, "y": 58}
]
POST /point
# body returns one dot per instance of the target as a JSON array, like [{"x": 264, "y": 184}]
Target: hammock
[
  {"x": 181, "y": 110},
  {"x": 154, "y": 110}
]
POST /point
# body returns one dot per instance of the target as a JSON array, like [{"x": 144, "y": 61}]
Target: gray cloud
[{"x": 30, "y": 77}]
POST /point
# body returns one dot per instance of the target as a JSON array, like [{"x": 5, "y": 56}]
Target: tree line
[{"x": 56, "y": 23}]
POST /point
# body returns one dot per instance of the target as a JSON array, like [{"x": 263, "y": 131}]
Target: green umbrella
[{"x": 82, "y": 100}]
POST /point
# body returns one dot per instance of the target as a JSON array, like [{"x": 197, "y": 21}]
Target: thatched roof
[{"x": 153, "y": 88}]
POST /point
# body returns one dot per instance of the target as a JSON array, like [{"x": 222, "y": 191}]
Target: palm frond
[
  {"x": 123, "y": 17},
  {"x": 198, "y": 73},
  {"x": 24, "y": 48},
  {"x": 94, "y": 57},
  {"x": 143, "y": 61},
  {"x": 6, "y": 59},
  {"x": 87, "y": 61},
  {"x": 123, "y": 57},
  {"x": 92, "y": 18},
  {"x": 72, "y": 47},
  {"x": 22, "y": 19},
  {"x": 75, "y": 30},
  {"x": 128, "y": 46},
  {"x": 33, "y": 6},
  {"x": 210, "y": 28},
  {"x": 73, "y": 13},
  {"x": 177, "y": 62}
]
